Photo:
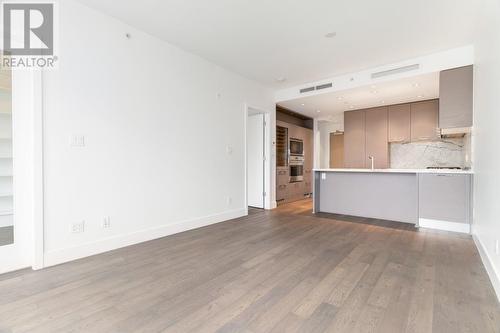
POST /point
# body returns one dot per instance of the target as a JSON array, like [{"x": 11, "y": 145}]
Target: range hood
[{"x": 458, "y": 132}]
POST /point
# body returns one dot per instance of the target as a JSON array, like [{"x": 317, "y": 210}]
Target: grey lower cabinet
[
  {"x": 378, "y": 195},
  {"x": 430, "y": 200},
  {"x": 445, "y": 199}
]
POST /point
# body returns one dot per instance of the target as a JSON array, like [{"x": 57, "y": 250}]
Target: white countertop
[{"x": 441, "y": 171}]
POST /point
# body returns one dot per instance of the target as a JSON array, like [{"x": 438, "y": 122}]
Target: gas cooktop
[{"x": 444, "y": 167}]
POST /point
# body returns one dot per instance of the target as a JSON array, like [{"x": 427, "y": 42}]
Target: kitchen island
[{"x": 439, "y": 199}]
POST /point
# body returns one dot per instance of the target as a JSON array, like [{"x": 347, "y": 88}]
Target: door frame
[
  {"x": 268, "y": 198},
  {"x": 38, "y": 174},
  {"x": 27, "y": 128}
]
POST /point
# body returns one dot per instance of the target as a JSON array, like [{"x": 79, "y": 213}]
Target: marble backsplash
[{"x": 420, "y": 155}]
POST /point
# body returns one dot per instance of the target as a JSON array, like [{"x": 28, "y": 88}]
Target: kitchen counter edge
[{"x": 435, "y": 171}]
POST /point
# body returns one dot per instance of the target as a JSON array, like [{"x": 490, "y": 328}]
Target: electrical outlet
[
  {"x": 78, "y": 227},
  {"x": 106, "y": 222},
  {"x": 497, "y": 247},
  {"x": 229, "y": 201}
]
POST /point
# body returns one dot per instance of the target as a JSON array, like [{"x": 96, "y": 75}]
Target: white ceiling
[
  {"x": 265, "y": 40},
  {"x": 406, "y": 90}
]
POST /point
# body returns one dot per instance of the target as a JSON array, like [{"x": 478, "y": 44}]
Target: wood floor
[{"x": 279, "y": 271}]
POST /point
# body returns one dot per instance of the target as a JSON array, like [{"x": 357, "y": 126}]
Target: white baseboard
[
  {"x": 11, "y": 260},
  {"x": 59, "y": 256},
  {"x": 490, "y": 269},
  {"x": 444, "y": 225}
]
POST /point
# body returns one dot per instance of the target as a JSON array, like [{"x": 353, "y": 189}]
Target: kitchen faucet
[{"x": 373, "y": 161}]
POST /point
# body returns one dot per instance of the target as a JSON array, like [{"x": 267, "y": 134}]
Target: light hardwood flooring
[{"x": 279, "y": 271}]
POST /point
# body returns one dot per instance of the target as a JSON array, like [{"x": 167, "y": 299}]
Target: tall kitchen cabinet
[
  {"x": 287, "y": 191},
  {"x": 308, "y": 159},
  {"x": 377, "y": 145},
  {"x": 354, "y": 139},
  {"x": 365, "y": 135}
]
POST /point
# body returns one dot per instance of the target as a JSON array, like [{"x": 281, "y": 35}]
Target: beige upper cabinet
[
  {"x": 354, "y": 139},
  {"x": 399, "y": 123},
  {"x": 456, "y": 97},
  {"x": 376, "y": 138},
  {"x": 424, "y": 120}
]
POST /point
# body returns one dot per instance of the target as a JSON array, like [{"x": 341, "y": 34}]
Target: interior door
[{"x": 255, "y": 160}]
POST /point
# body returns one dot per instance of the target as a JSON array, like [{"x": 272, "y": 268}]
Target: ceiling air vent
[
  {"x": 324, "y": 86},
  {"x": 395, "y": 71},
  {"x": 304, "y": 90}
]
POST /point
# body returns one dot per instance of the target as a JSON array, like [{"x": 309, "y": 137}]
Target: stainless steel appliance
[
  {"x": 296, "y": 164},
  {"x": 296, "y": 147}
]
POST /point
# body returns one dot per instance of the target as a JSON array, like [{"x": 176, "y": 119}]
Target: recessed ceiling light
[
  {"x": 340, "y": 98},
  {"x": 416, "y": 85},
  {"x": 420, "y": 96},
  {"x": 351, "y": 107},
  {"x": 374, "y": 91},
  {"x": 303, "y": 104},
  {"x": 383, "y": 102},
  {"x": 318, "y": 111},
  {"x": 331, "y": 34},
  {"x": 281, "y": 79}
]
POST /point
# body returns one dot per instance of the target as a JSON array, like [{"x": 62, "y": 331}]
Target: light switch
[
  {"x": 323, "y": 175},
  {"x": 229, "y": 150},
  {"x": 77, "y": 141}
]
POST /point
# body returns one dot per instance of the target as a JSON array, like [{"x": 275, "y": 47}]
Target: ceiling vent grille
[
  {"x": 324, "y": 86},
  {"x": 309, "y": 89},
  {"x": 395, "y": 71}
]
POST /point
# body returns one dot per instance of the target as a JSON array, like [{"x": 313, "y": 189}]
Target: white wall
[
  {"x": 156, "y": 135},
  {"x": 485, "y": 140},
  {"x": 325, "y": 128}
]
